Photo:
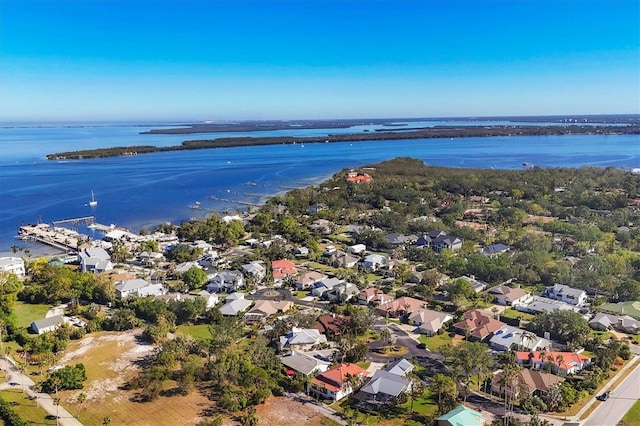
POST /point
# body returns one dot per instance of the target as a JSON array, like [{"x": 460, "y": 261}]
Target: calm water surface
[{"x": 145, "y": 190}]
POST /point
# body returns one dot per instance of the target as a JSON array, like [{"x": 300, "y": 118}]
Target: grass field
[
  {"x": 632, "y": 418},
  {"x": 513, "y": 314},
  {"x": 437, "y": 341},
  {"x": 26, "y": 408},
  {"x": 198, "y": 332},
  {"x": 26, "y": 313}
]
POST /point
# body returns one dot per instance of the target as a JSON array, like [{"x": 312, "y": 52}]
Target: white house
[
  {"x": 572, "y": 296},
  {"x": 234, "y": 304},
  {"x": 95, "y": 260},
  {"x": 14, "y": 265},
  {"x": 46, "y": 325},
  {"x": 374, "y": 261},
  {"x": 255, "y": 269},
  {"x": 226, "y": 281},
  {"x": 508, "y": 337},
  {"x": 428, "y": 321},
  {"x": 357, "y": 248},
  {"x": 301, "y": 339},
  {"x": 320, "y": 287},
  {"x": 138, "y": 287}
]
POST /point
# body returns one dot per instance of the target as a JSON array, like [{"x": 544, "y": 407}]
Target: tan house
[
  {"x": 265, "y": 308},
  {"x": 400, "y": 306},
  {"x": 478, "y": 325},
  {"x": 530, "y": 381},
  {"x": 429, "y": 322}
]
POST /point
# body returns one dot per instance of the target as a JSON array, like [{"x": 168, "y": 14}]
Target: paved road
[
  {"x": 611, "y": 411},
  {"x": 18, "y": 381}
]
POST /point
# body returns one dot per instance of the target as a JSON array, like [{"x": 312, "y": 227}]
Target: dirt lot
[
  {"x": 281, "y": 411},
  {"x": 110, "y": 360}
]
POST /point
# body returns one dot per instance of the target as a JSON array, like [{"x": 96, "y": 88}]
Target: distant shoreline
[{"x": 406, "y": 134}]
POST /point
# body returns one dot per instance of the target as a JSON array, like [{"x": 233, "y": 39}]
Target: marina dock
[{"x": 58, "y": 236}]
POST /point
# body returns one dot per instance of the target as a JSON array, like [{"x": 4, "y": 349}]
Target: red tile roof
[
  {"x": 283, "y": 267},
  {"x": 334, "y": 378}
]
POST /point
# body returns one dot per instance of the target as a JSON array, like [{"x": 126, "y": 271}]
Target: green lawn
[
  {"x": 198, "y": 332},
  {"x": 424, "y": 405},
  {"x": 26, "y": 313},
  {"x": 436, "y": 342},
  {"x": 26, "y": 408},
  {"x": 301, "y": 294},
  {"x": 632, "y": 418},
  {"x": 513, "y": 314}
]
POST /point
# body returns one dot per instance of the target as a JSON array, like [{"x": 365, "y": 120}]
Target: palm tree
[
  {"x": 82, "y": 397},
  {"x": 559, "y": 361},
  {"x": 106, "y": 420},
  {"x": 445, "y": 387}
]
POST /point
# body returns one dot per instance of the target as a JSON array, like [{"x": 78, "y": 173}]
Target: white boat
[{"x": 93, "y": 201}]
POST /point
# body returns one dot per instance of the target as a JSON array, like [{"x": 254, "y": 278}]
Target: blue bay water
[{"x": 149, "y": 189}]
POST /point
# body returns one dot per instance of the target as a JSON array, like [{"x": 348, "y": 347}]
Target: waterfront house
[
  {"x": 572, "y": 296},
  {"x": 358, "y": 177},
  {"x": 461, "y": 416},
  {"x": 477, "y": 325},
  {"x": 429, "y": 322},
  {"x": 13, "y": 265},
  {"x": 94, "y": 260},
  {"x": 333, "y": 383}
]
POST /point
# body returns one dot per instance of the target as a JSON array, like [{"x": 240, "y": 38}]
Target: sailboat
[{"x": 93, "y": 201}]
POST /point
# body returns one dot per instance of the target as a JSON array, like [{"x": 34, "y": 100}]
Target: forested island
[{"x": 422, "y": 133}]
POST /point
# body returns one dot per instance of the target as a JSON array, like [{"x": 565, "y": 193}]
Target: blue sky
[{"x": 226, "y": 60}]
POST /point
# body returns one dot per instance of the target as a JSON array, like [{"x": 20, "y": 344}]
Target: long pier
[{"x": 89, "y": 220}]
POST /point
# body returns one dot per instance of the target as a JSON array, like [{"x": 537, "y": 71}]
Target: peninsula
[{"x": 421, "y": 133}]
